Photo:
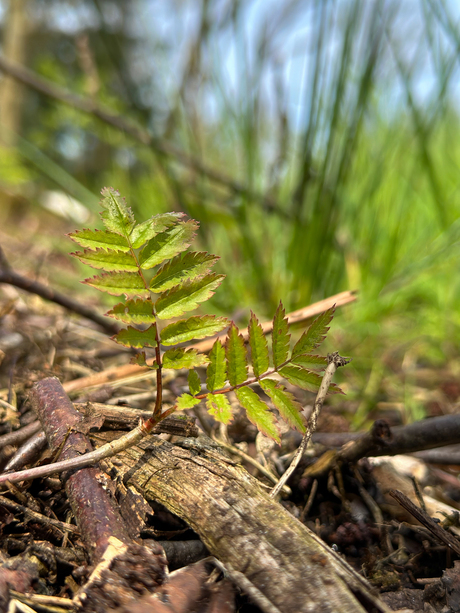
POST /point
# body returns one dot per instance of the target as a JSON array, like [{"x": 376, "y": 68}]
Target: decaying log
[{"x": 246, "y": 530}]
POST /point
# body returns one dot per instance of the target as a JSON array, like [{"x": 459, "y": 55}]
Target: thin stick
[
  {"x": 335, "y": 360},
  {"x": 141, "y": 135}
]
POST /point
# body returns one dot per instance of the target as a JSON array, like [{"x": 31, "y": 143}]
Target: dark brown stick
[
  {"x": 34, "y": 287},
  {"x": 87, "y": 105},
  {"x": 95, "y": 512},
  {"x": 423, "y": 517}
]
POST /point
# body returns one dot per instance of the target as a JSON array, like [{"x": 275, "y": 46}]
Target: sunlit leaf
[
  {"x": 186, "y": 265},
  {"x": 187, "y": 296},
  {"x": 117, "y": 216},
  {"x": 315, "y": 335},
  {"x": 305, "y": 379},
  {"x": 181, "y": 358},
  {"x": 258, "y": 413},
  {"x": 107, "y": 259},
  {"x": 153, "y": 226},
  {"x": 219, "y": 407},
  {"x": 259, "y": 348},
  {"x": 317, "y": 362},
  {"x": 192, "y": 328},
  {"x": 216, "y": 374},
  {"x": 132, "y": 337},
  {"x": 99, "y": 239},
  {"x": 237, "y": 367},
  {"x": 186, "y": 402},
  {"x": 133, "y": 312},
  {"x": 194, "y": 382},
  {"x": 285, "y": 402},
  {"x": 168, "y": 244},
  {"x": 280, "y": 336},
  {"x": 118, "y": 283}
]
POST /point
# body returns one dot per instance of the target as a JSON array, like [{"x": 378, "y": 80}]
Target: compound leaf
[
  {"x": 194, "y": 382},
  {"x": 216, "y": 374},
  {"x": 187, "y": 296},
  {"x": 219, "y": 407},
  {"x": 186, "y": 402},
  {"x": 180, "y": 358},
  {"x": 118, "y": 283},
  {"x": 153, "y": 226},
  {"x": 192, "y": 328},
  {"x": 285, "y": 402},
  {"x": 133, "y": 312},
  {"x": 168, "y": 244},
  {"x": 258, "y": 412},
  {"x": 107, "y": 259},
  {"x": 117, "y": 216},
  {"x": 132, "y": 337},
  {"x": 259, "y": 348},
  {"x": 237, "y": 367},
  {"x": 315, "y": 335},
  {"x": 190, "y": 265},
  {"x": 280, "y": 337},
  {"x": 99, "y": 239}
]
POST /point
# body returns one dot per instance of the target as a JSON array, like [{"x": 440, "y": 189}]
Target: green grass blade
[
  {"x": 258, "y": 412},
  {"x": 285, "y": 402},
  {"x": 237, "y": 366},
  {"x": 168, "y": 244},
  {"x": 192, "y": 328},
  {"x": 216, "y": 374},
  {"x": 259, "y": 347},
  {"x": 187, "y": 296}
]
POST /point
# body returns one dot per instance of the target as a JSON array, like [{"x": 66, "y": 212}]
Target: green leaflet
[
  {"x": 219, "y": 407},
  {"x": 107, "y": 259},
  {"x": 140, "y": 359},
  {"x": 285, "y": 402},
  {"x": 118, "y": 283},
  {"x": 192, "y": 328},
  {"x": 99, "y": 239},
  {"x": 153, "y": 226},
  {"x": 302, "y": 378},
  {"x": 258, "y": 412},
  {"x": 133, "y": 312},
  {"x": 185, "y": 401},
  {"x": 187, "y": 296},
  {"x": 237, "y": 367},
  {"x": 168, "y": 244},
  {"x": 259, "y": 348},
  {"x": 317, "y": 362},
  {"x": 194, "y": 382},
  {"x": 280, "y": 337},
  {"x": 180, "y": 358},
  {"x": 190, "y": 265},
  {"x": 315, "y": 334},
  {"x": 132, "y": 337},
  {"x": 117, "y": 216},
  {"x": 216, "y": 374}
]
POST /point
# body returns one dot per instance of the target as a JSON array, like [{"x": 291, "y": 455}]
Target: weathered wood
[{"x": 245, "y": 529}]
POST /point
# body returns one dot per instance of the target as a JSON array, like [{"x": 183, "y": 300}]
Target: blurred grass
[{"x": 358, "y": 185}]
